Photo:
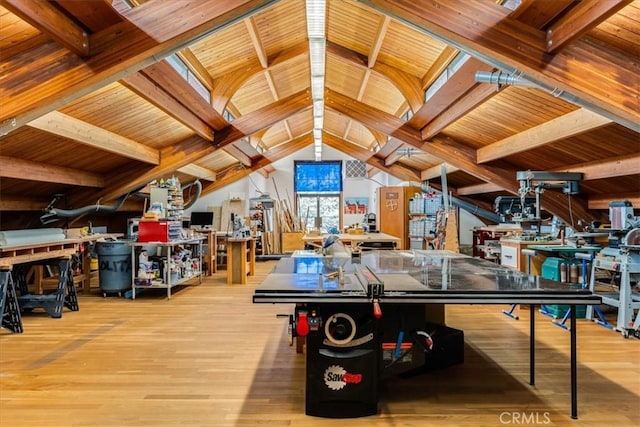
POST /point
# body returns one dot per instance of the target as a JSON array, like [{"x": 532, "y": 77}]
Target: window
[
  {"x": 184, "y": 71},
  {"x": 318, "y": 188}
]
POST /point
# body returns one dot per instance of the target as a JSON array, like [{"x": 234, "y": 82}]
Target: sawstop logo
[{"x": 336, "y": 378}]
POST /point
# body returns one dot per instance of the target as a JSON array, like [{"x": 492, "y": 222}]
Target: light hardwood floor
[{"x": 209, "y": 357}]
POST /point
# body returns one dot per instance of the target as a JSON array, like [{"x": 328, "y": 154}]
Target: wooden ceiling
[{"x": 90, "y": 108}]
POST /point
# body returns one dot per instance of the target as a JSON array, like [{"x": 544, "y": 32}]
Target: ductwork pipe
[
  {"x": 195, "y": 198},
  {"x": 476, "y": 210},
  {"x": 518, "y": 78},
  {"x": 54, "y": 214}
]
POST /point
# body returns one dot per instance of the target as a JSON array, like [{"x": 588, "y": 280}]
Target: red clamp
[
  {"x": 302, "y": 325},
  {"x": 377, "y": 311}
]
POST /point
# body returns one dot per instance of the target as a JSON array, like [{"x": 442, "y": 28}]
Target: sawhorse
[
  {"x": 9, "y": 308},
  {"x": 64, "y": 296}
]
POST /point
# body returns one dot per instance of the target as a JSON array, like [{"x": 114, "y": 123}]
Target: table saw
[{"x": 363, "y": 317}]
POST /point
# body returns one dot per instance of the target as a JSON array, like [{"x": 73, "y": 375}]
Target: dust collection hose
[{"x": 53, "y": 214}]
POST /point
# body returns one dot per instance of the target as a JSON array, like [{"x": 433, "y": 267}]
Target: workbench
[
  {"x": 364, "y": 316},
  {"x": 16, "y": 260},
  {"x": 367, "y": 240}
]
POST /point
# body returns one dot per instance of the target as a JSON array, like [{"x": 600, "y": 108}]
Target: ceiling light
[{"x": 316, "y": 21}]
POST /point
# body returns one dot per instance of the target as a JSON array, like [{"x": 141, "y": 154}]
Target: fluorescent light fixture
[
  {"x": 316, "y": 17},
  {"x": 316, "y": 22}
]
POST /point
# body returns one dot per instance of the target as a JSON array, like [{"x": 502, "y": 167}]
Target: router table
[{"x": 363, "y": 317}]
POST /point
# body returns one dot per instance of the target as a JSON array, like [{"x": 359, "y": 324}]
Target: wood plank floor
[{"x": 209, "y": 357}]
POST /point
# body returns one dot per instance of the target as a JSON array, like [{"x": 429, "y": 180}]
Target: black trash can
[{"x": 114, "y": 263}]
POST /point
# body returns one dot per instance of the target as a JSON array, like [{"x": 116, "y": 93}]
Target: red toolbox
[{"x": 153, "y": 231}]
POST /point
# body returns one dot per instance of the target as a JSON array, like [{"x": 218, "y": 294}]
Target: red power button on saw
[{"x": 302, "y": 325}]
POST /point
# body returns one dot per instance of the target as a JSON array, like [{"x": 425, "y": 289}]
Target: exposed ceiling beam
[
  {"x": 607, "y": 168},
  {"x": 122, "y": 49},
  {"x": 599, "y": 169},
  {"x": 359, "y": 153},
  {"x": 439, "y": 65},
  {"x": 198, "y": 171},
  {"x": 512, "y": 45},
  {"x": 238, "y": 154},
  {"x": 389, "y": 147},
  {"x": 584, "y": 16},
  {"x": 49, "y": 20},
  {"x": 156, "y": 95},
  {"x": 16, "y": 203},
  {"x": 171, "y": 159},
  {"x": 365, "y": 114},
  {"x": 196, "y": 67},
  {"x": 228, "y": 84},
  {"x": 12, "y": 167},
  {"x": 383, "y": 25},
  {"x": 60, "y": 124},
  {"x": 449, "y": 151},
  {"x": 565, "y": 126},
  {"x": 484, "y": 188},
  {"x": 258, "y": 46},
  {"x": 165, "y": 76},
  {"x": 456, "y": 86},
  {"x": 603, "y": 201},
  {"x": 459, "y": 108},
  {"x": 436, "y": 171},
  {"x": 409, "y": 86}
]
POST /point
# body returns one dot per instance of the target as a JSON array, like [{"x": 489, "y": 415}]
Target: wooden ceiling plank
[
  {"x": 459, "y": 108},
  {"x": 165, "y": 76},
  {"x": 439, "y": 65},
  {"x": 227, "y": 85},
  {"x": 13, "y": 167},
  {"x": 198, "y": 172},
  {"x": 171, "y": 159},
  {"x": 602, "y": 201},
  {"x": 156, "y": 95},
  {"x": 271, "y": 84},
  {"x": 607, "y": 168},
  {"x": 61, "y": 124},
  {"x": 122, "y": 49},
  {"x": 238, "y": 154},
  {"x": 196, "y": 67},
  {"x": 486, "y": 187},
  {"x": 51, "y": 21},
  {"x": 379, "y": 39},
  {"x": 449, "y": 151},
  {"x": 584, "y": 16},
  {"x": 12, "y": 203},
  {"x": 364, "y": 155},
  {"x": 258, "y": 46},
  {"x": 436, "y": 171},
  {"x": 408, "y": 85},
  {"x": 456, "y": 86},
  {"x": 389, "y": 147},
  {"x": 565, "y": 126},
  {"x": 363, "y": 113},
  {"x": 511, "y": 45},
  {"x": 272, "y": 113}
]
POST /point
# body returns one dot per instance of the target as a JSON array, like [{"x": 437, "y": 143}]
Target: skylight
[{"x": 316, "y": 21}]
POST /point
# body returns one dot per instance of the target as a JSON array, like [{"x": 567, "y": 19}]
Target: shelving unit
[
  {"x": 423, "y": 220},
  {"x": 170, "y": 271},
  {"x": 169, "y": 194}
]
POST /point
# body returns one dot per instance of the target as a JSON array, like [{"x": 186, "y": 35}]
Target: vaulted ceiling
[{"x": 91, "y": 109}]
